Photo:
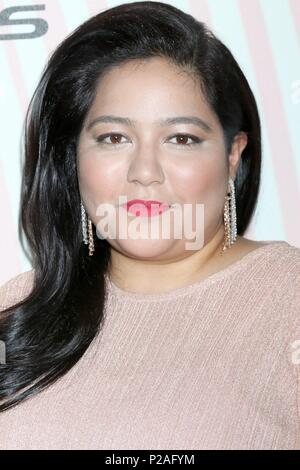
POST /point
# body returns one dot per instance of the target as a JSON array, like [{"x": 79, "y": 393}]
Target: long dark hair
[{"x": 47, "y": 332}]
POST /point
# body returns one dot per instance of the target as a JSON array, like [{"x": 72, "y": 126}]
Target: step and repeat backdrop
[{"x": 264, "y": 37}]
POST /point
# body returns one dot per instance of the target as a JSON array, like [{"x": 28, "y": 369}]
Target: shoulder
[
  {"x": 277, "y": 253},
  {"x": 285, "y": 256},
  {"x": 16, "y": 288},
  {"x": 280, "y": 266},
  {"x": 274, "y": 257},
  {"x": 271, "y": 274},
  {"x": 273, "y": 269},
  {"x": 280, "y": 260}
]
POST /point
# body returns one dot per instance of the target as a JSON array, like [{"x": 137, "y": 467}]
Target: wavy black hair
[{"x": 47, "y": 332}]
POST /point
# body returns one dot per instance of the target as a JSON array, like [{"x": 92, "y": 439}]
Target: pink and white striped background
[{"x": 263, "y": 35}]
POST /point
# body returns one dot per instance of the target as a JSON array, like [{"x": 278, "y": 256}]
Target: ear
[{"x": 238, "y": 145}]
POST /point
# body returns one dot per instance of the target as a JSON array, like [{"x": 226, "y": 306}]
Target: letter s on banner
[{"x": 40, "y": 25}]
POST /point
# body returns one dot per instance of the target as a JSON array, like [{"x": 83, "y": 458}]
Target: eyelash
[{"x": 196, "y": 140}]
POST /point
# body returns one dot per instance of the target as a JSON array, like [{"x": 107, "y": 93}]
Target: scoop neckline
[{"x": 201, "y": 284}]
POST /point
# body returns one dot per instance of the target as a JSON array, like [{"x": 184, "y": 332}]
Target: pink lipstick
[{"x": 140, "y": 207}]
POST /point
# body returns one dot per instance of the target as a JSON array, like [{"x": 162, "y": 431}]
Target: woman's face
[{"x": 150, "y": 160}]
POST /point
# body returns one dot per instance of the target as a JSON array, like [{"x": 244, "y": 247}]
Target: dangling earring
[
  {"x": 230, "y": 217},
  {"x": 87, "y": 231}
]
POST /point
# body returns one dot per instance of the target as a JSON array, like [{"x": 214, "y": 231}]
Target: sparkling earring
[
  {"x": 230, "y": 217},
  {"x": 87, "y": 231}
]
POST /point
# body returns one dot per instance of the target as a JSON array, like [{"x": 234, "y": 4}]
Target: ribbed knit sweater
[{"x": 213, "y": 365}]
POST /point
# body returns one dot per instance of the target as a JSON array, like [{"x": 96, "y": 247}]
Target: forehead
[
  {"x": 154, "y": 79},
  {"x": 150, "y": 88},
  {"x": 150, "y": 68}
]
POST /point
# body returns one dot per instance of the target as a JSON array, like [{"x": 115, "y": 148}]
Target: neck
[{"x": 155, "y": 276}]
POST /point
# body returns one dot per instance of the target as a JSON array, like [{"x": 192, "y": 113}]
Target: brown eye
[
  {"x": 182, "y": 139},
  {"x": 114, "y": 139}
]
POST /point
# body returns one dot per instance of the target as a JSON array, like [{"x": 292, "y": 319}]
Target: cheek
[
  {"x": 201, "y": 181},
  {"x": 99, "y": 180},
  {"x": 212, "y": 193}
]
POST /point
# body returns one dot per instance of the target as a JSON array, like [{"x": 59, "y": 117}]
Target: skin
[{"x": 148, "y": 162}]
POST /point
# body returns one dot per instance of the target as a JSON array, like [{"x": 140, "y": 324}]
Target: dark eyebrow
[{"x": 161, "y": 122}]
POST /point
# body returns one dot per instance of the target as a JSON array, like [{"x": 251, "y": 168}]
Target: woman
[{"x": 147, "y": 343}]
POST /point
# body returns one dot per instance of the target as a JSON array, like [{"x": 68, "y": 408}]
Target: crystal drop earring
[
  {"x": 87, "y": 230},
  {"x": 230, "y": 224}
]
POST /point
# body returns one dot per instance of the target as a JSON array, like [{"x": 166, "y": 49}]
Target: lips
[{"x": 140, "y": 207}]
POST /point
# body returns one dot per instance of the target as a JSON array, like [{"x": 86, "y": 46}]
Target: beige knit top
[{"x": 214, "y": 365}]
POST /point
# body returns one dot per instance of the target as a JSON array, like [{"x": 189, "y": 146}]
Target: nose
[{"x": 145, "y": 167}]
